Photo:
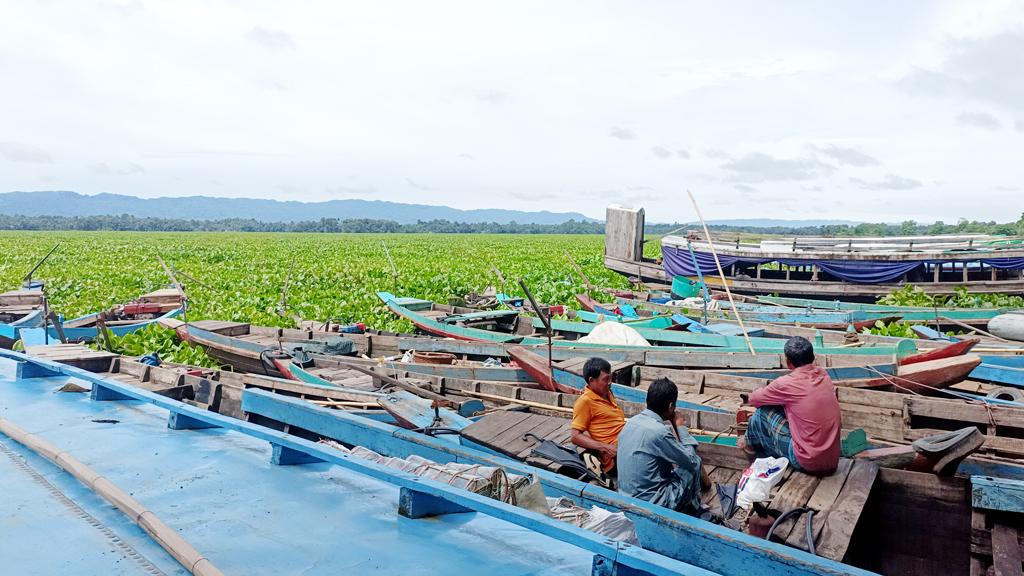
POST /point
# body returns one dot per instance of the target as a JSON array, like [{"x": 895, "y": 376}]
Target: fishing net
[{"x": 494, "y": 482}]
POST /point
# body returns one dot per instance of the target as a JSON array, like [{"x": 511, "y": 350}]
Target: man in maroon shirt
[{"x": 797, "y": 415}]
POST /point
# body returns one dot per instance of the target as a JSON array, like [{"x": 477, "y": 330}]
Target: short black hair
[
  {"x": 799, "y": 351},
  {"x": 661, "y": 394},
  {"x": 593, "y": 367}
]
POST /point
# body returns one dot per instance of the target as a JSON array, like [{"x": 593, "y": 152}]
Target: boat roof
[{"x": 218, "y": 489}]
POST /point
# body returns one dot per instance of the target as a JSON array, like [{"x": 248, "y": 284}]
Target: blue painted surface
[
  {"x": 42, "y": 536},
  {"x": 12, "y": 330},
  {"x": 997, "y": 494},
  {"x": 837, "y": 373},
  {"x": 221, "y": 491},
  {"x": 996, "y": 374}
]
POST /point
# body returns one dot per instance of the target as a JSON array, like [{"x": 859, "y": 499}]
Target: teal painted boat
[
  {"x": 908, "y": 313},
  {"x": 19, "y": 309},
  {"x": 474, "y": 325}
]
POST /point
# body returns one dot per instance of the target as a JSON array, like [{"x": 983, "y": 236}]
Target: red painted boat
[
  {"x": 537, "y": 367},
  {"x": 586, "y": 302},
  {"x": 949, "y": 351},
  {"x": 927, "y": 378}
]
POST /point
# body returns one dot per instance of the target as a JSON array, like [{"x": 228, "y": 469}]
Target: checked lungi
[{"x": 768, "y": 434}]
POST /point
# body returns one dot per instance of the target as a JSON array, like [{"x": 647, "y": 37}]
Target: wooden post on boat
[
  {"x": 545, "y": 320},
  {"x": 718, "y": 264}
]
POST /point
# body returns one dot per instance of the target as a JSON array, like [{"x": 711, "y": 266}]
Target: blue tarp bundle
[{"x": 678, "y": 262}]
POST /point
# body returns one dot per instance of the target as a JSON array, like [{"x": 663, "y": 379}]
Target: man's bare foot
[{"x": 741, "y": 443}]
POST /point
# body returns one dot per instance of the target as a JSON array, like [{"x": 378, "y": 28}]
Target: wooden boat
[
  {"x": 972, "y": 316},
  {"x": 721, "y": 310},
  {"x": 898, "y": 503},
  {"x": 506, "y": 326},
  {"x": 119, "y": 320},
  {"x": 927, "y": 378},
  {"x": 664, "y": 535},
  {"x": 845, "y": 268},
  {"x": 19, "y": 309}
]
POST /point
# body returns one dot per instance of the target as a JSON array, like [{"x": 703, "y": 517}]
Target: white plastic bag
[{"x": 757, "y": 481}]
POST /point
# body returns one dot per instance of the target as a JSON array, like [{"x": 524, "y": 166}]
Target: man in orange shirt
[{"x": 596, "y": 417}]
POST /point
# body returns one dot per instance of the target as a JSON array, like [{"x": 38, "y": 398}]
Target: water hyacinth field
[{"x": 232, "y": 276}]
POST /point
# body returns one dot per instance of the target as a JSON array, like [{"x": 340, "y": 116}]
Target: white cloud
[
  {"x": 19, "y": 152},
  {"x": 982, "y": 120},
  {"x": 270, "y": 39}
]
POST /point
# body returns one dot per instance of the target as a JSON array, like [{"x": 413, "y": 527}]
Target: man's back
[
  {"x": 655, "y": 466},
  {"x": 809, "y": 399}
]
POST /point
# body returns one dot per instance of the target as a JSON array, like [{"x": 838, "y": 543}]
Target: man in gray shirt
[{"x": 657, "y": 457}]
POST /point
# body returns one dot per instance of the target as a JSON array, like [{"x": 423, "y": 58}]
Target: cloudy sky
[{"x": 848, "y": 110}]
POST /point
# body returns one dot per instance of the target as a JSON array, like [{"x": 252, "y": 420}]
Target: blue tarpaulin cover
[{"x": 678, "y": 262}]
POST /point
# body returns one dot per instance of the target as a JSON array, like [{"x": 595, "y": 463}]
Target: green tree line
[{"x": 127, "y": 222}]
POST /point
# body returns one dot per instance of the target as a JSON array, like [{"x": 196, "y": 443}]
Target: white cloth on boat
[
  {"x": 615, "y": 333},
  {"x": 693, "y": 303}
]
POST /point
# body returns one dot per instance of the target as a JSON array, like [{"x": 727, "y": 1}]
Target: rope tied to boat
[{"x": 965, "y": 397}]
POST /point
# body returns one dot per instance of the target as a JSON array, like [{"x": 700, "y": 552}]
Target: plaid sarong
[{"x": 768, "y": 434}]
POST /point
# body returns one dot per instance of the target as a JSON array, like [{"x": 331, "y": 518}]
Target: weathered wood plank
[
  {"x": 793, "y": 494},
  {"x": 1006, "y": 554},
  {"x": 490, "y": 426},
  {"x": 843, "y": 516},
  {"x": 962, "y": 412},
  {"x": 550, "y": 426}
]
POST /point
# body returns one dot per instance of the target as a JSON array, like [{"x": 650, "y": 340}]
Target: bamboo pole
[
  {"x": 515, "y": 401},
  {"x": 721, "y": 274},
  {"x": 164, "y": 535},
  {"x": 969, "y": 327}
]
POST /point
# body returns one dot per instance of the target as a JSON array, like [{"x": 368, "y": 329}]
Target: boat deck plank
[
  {"x": 997, "y": 543},
  {"x": 77, "y": 355},
  {"x": 842, "y": 517}
]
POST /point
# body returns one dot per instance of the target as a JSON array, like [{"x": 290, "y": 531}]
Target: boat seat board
[{"x": 503, "y": 432}]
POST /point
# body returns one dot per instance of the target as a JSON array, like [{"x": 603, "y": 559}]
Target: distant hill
[
  {"x": 60, "y": 203},
  {"x": 777, "y": 223}
]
